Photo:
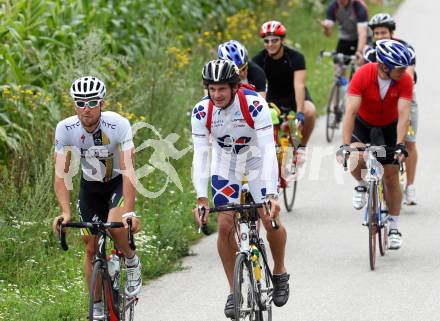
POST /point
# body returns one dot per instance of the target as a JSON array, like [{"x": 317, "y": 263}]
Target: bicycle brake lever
[
  {"x": 130, "y": 235},
  {"x": 204, "y": 227},
  {"x": 62, "y": 235},
  {"x": 267, "y": 206}
]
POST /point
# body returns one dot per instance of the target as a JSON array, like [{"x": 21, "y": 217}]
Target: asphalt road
[{"x": 327, "y": 249}]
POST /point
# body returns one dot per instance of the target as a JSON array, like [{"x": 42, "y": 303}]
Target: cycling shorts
[
  {"x": 385, "y": 135},
  {"x": 347, "y": 47},
  {"x": 96, "y": 199},
  {"x": 414, "y": 117},
  {"x": 287, "y": 104}
]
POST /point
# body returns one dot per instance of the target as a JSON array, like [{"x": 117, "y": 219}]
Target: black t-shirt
[
  {"x": 279, "y": 75},
  {"x": 256, "y": 77}
]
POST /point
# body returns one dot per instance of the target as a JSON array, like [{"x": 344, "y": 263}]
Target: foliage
[{"x": 150, "y": 55}]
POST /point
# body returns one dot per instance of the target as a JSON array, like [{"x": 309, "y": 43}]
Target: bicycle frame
[
  {"x": 282, "y": 145},
  {"x": 375, "y": 183},
  {"x": 101, "y": 256},
  {"x": 248, "y": 236}
]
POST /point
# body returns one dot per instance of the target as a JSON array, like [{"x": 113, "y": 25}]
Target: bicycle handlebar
[
  {"x": 234, "y": 208},
  {"x": 90, "y": 225},
  {"x": 371, "y": 148},
  {"x": 340, "y": 57}
]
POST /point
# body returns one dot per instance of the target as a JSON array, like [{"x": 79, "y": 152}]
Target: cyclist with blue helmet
[
  {"x": 250, "y": 73},
  {"x": 383, "y": 26},
  {"x": 378, "y": 108}
]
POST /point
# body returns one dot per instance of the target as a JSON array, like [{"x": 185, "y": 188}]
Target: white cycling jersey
[
  {"x": 99, "y": 149},
  {"x": 237, "y": 150}
]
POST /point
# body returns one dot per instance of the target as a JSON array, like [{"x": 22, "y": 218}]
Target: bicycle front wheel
[
  {"x": 372, "y": 225},
  {"x": 290, "y": 175},
  {"x": 244, "y": 289},
  {"x": 126, "y": 303},
  {"x": 332, "y": 107},
  {"x": 100, "y": 291},
  {"x": 264, "y": 287}
]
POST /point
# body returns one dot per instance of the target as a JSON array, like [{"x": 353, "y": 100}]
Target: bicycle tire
[
  {"x": 125, "y": 304},
  {"x": 101, "y": 285},
  {"x": 244, "y": 300},
  {"x": 331, "y": 123},
  {"x": 383, "y": 235},
  {"x": 265, "y": 312},
  {"x": 372, "y": 226},
  {"x": 289, "y": 191}
]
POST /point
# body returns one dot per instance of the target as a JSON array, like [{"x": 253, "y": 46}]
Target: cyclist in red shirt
[{"x": 378, "y": 108}]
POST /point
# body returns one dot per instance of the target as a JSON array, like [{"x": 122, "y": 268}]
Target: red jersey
[{"x": 373, "y": 109}]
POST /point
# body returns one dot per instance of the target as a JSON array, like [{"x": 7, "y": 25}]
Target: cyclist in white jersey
[
  {"x": 240, "y": 126},
  {"x": 104, "y": 143}
]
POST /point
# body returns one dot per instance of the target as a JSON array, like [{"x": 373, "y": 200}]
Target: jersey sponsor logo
[
  {"x": 230, "y": 144},
  {"x": 97, "y": 141},
  {"x": 217, "y": 123},
  {"x": 73, "y": 126},
  {"x": 98, "y": 152},
  {"x": 82, "y": 138},
  {"x": 255, "y": 108},
  {"x": 199, "y": 112},
  {"x": 223, "y": 190},
  {"x": 108, "y": 125},
  {"x": 238, "y": 117}
]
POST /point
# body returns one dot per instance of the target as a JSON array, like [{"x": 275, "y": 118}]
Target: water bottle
[
  {"x": 255, "y": 254},
  {"x": 343, "y": 87}
]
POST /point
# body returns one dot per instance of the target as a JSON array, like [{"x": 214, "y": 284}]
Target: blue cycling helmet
[
  {"x": 394, "y": 54},
  {"x": 233, "y": 51}
]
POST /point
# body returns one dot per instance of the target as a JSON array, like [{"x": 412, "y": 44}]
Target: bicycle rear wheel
[
  {"x": 244, "y": 289},
  {"x": 290, "y": 169},
  {"x": 332, "y": 107},
  {"x": 264, "y": 288},
  {"x": 372, "y": 225},
  {"x": 100, "y": 290}
]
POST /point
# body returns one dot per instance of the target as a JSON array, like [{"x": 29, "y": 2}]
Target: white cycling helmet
[
  {"x": 382, "y": 20},
  {"x": 87, "y": 87},
  {"x": 233, "y": 51}
]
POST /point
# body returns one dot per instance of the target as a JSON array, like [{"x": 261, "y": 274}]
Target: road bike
[
  {"x": 336, "y": 102},
  {"x": 107, "y": 281},
  {"x": 253, "y": 279},
  {"x": 287, "y": 154},
  {"x": 375, "y": 217}
]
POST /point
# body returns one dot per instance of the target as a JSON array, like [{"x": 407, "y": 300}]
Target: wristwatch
[{"x": 272, "y": 196}]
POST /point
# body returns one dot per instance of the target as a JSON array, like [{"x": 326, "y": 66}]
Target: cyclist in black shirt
[
  {"x": 285, "y": 70},
  {"x": 250, "y": 72}
]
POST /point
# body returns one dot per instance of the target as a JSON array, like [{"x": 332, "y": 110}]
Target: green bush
[{"x": 150, "y": 56}]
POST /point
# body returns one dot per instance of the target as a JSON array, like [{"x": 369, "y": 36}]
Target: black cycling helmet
[
  {"x": 220, "y": 71},
  {"x": 382, "y": 20}
]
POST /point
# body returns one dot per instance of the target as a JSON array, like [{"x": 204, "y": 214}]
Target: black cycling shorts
[
  {"x": 347, "y": 47},
  {"x": 367, "y": 134},
  {"x": 287, "y": 104},
  {"x": 96, "y": 199}
]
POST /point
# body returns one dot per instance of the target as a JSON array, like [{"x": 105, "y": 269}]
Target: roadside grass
[{"x": 38, "y": 281}]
